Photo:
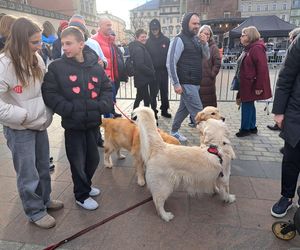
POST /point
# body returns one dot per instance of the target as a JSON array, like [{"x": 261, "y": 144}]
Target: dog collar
[{"x": 213, "y": 149}]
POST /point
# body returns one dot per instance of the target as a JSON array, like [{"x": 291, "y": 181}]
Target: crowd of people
[{"x": 81, "y": 83}]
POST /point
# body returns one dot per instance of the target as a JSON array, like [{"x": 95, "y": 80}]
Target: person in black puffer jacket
[
  {"x": 158, "y": 45},
  {"x": 77, "y": 88},
  {"x": 144, "y": 73}
]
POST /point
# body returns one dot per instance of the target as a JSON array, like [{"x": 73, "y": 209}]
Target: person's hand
[
  {"x": 279, "y": 120},
  {"x": 178, "y": 90},
  {"x": 203, "y": 38},
  {"x": 101, "y": 63},
  {"x": 258, "y": 91}
]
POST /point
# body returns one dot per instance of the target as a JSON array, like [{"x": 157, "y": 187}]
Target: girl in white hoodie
[{"x": 25, "y": 118}]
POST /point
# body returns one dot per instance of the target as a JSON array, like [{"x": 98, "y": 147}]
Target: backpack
[{"x": 129, "y": 66}]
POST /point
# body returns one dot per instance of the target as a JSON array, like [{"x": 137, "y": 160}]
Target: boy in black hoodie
[
  {"x": 77, "y": 88},
  {"x": 158, "y": 45}
]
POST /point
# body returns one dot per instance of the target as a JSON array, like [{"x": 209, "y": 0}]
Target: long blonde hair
[
  {"x": 17, "y": 48},
  {"x": 5, "y": 25}
]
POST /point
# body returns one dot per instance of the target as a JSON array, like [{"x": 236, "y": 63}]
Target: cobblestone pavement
[{"x": 200, "y": 223}]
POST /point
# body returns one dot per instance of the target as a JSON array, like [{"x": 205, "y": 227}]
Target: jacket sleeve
[
  {"x": 259, "y": 58},
  {"x": 174, "y": 53},
  {"x": 287, "y": 78},
  {"x": 105, "y": 100},
  {"x": 216, "y": 61},
  {"x": 139, "y": 62},
  {"x": 52, "y": 95}
]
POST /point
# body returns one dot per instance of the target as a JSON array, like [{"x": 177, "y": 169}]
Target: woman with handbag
[{"x": 253, "y": 78}]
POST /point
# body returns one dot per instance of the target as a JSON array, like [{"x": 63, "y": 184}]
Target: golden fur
[
  {"x": 208, "y": 112},
  {"x": 122, "y": 133},
  {"x": 168, "y": 165}
]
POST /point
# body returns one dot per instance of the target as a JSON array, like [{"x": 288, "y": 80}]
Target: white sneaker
[
  {"x": 179, "y": 136},
  {"x": 89, "y": 204},
  {"x": 94, "y": 191}
]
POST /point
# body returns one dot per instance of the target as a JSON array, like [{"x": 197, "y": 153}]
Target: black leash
[{"x": 97, "y": 225}]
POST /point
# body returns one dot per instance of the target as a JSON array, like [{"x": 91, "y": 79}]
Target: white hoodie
[{"x": 21, "y": 107}]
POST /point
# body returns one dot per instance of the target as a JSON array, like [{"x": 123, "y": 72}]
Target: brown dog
[{"x": 122, "y": 133}]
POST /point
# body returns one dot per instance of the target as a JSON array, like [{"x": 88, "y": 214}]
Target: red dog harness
[{"x": 213, "y": 149}]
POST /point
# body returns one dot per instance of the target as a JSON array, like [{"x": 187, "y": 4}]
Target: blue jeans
[
  {"x": 248, "y": 120},
  {"x": 30, "y": 152}
]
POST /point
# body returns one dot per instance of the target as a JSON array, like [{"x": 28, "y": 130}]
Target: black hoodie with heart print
[{"x": 78, "y": 92}]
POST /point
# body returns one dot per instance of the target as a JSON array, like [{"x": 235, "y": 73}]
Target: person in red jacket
[
  {"x": 253, "y": 76},
  {"x": 104, "y": 39}
]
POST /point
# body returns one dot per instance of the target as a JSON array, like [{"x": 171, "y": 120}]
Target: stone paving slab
[{"x": 202, "y": 222}]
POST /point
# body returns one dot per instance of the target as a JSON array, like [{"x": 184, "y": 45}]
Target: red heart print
[
  {"x": 76, "y": 90},
  {"x": 90, "y": 86},
  {"x": 18, "y": 89},
  {"x": 94, "y": 94},
  {"x": 73, "y": 78},
  {"x": 94, "y": 79}
]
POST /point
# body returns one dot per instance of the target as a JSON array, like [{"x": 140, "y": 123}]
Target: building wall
[
  {"x": 66, "y": 7},
  {"x": 214, "y": 9},
  {"x": 295, "y": 12},
  {"x": 280, "y": 8}
]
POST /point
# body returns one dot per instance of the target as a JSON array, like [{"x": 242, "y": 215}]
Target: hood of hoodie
[
  {"x": 185, "y": 24},
  {"x": 154, "y": 24},
  {"x": 259, "y": 43},
  {"x": 89, "y": 55}
]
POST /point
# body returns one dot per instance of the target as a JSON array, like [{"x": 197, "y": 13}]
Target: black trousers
[
  {"x": 290, "y": 170},
  {"x": 163, "y": 86},
  {"x": 142, "y": 94},
  {"x": 83, "y": 155}
]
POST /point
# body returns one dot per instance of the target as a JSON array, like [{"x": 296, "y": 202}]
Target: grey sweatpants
[
  {"x": 30, "y": 152},
  {"x": 190, "y": 103}
]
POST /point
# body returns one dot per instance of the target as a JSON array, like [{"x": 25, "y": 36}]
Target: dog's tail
[{"x": 151, "y": 141}]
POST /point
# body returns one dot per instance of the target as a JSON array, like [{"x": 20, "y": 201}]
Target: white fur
[{"x": 169, "y": 165}]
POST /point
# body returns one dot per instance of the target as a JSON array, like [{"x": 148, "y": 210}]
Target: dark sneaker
[
  {"x": 253, "y": 130},
  {"x": 281, "y": 207},
  {"x": 274, "y": 128},
  {"x": 117, "y": 115},
  {"x": 192, "y": 125},
  {"x": 166, "y": 114},
  {"x": 243, "y": 132},
  {"x": 51, "y": 164}
]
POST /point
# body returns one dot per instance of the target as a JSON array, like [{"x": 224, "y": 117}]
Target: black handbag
[{"x": 235, "y": 84}]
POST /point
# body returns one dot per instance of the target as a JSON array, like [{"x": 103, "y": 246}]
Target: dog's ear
[{"x": 199, "y": 117}]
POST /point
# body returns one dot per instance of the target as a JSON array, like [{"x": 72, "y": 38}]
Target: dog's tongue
[{"x": 213, "y": 150}]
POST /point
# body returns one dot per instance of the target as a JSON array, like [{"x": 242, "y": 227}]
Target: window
[
  {"x": 249, "y": 7},
  {"x": 164, "y": 21},
  {"x": 266, "y": 7},
  {"x": 227, "y": 14},
  {"x": 155, "y": 13},
  {"x": 284, "y": 6},
  {"x": 242, "y": 7},
  {"x": 257, "y": 7},
  {"x": 274, "y": 6},
  {"x": 170, "y": 29},
  {"x": 204, "y": 16},
  {"x": 283, "y": 17},
  {"x": 148, "y": 14}
]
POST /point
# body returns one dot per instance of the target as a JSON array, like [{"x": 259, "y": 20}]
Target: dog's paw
[
  {"x": 167, "y": 216},
  {"x": 108, "y": 165},
  {"x": 231, "y": 198},
  {"x": 121, "y": 157},
  {"x": 141, "y": 182}
]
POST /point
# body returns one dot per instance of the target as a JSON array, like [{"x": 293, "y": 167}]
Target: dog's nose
[{"x": 223, "y": 119}]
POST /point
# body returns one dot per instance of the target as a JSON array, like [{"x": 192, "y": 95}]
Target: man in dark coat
[
  {"x": 144, "y": 73},
  {"x": 286, "y": 108},
  {"x": 158, "y": 46}
]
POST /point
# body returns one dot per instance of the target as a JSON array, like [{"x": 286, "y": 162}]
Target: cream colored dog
[
  {"x": 168, "y": 165},
  {"x": 208, "y": 113},
  {"x": 122, "y": 133},
  {"x": 216, "y": 133}
]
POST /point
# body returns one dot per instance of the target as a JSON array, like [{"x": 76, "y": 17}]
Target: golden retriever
[
  {"x": 208, "y": 112},
  {"x": 216, "y": 133},
  {"x": 168, "y": 165},
  {"x": 122, "y": 133}
]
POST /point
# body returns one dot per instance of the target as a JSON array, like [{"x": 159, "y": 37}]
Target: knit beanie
[
  {"x": 63, "y": 24},
  {"x": 78, "y": 21}
]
